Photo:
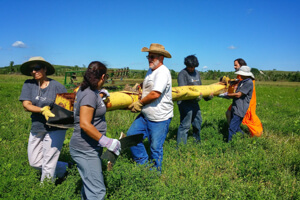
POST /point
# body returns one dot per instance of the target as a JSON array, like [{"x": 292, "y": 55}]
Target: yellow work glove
[
  {"x": 46, "y": 112},
  {"x": 136, "y": 106}
]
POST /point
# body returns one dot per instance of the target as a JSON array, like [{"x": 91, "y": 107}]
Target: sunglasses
[
  {"x": 152, "y": 57},
  {"x": 36, "y": 68}
]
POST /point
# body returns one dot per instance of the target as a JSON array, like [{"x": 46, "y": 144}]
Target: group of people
[{"x": 88, "y": 139}]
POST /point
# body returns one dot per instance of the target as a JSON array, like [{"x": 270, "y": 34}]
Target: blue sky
[{"x": 266, "y": 33}]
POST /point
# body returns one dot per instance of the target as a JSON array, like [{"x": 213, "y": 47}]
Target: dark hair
[
  {"x": 93, "y": 75},
  {"x": 191, "y": 61},
  {"x": 241, "y": 62}
]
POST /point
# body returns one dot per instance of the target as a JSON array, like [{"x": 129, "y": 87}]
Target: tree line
[{"x": 270, "y": 75}]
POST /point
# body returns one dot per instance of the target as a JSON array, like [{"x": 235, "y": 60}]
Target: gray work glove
[{"x": 224, "y": 95}]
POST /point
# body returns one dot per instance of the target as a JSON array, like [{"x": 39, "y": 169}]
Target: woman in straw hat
[
  {"x": 241, "y": 100},
  {"x": 89, "y": 138},
  {"x": 37, "y": 96}
]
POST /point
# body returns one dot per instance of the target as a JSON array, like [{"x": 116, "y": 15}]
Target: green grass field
[{"x": 247, "y": 168}]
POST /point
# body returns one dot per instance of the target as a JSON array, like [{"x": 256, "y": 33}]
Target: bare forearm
[
  {"x": 91, "y": 131},
  {"x": 85, "y": 122},
  {"x": 235, "y": 95},
  {"x": 152, "y": 96},
  {"x": 27, "y": 105}
]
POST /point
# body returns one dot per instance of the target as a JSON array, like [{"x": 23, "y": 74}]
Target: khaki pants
[{"x": 43, "y": 153}]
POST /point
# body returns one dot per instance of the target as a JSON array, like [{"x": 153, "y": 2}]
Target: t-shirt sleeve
[
  {"x": 200, "y": 82},
  {"x": 160, "y": 82},
  {"x": 26, "y": 92},
  {"x": 60, "y": 88},
  {"x": 247, "y": 87},
  {"x": 89, "y": 99},
  {"x": 181, "y": 79}
]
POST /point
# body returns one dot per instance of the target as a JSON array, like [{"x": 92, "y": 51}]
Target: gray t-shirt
[
  {"x": 241, "y": 105},
  {"x": 186, "y": 78},
  {"x": 80, "y": 140},
  {"x": 31, "y": 91}
]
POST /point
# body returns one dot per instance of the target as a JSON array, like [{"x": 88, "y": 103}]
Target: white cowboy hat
[
  {"x": 26, "y": 70},
  {"x": 245, "y": 71},
  {"x": 158, "y": 49}
]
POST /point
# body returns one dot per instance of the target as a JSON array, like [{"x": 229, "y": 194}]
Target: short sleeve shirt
[
  {"x": 88, "y": 97},
  {"x": 241, "y": 105},
  {"x": 186, "y": 78},
  {"x": 31, "y": 91},
  {"x": 158, "y": 80}
]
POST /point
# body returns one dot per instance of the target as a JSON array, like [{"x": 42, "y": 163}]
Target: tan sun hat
[
  {"x": 25, "y": 67},
  {"x": 157, "y": 48},
  {"x": 245, "y": 71}
]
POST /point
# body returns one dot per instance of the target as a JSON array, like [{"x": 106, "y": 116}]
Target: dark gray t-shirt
[
  {"x": 80, "y": 140},
  {"x": 186, "y": 78},
  {"x": 241, "y": 105},
  {"x": 31, "y": 91}
]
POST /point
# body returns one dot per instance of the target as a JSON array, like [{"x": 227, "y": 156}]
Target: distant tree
[
  {"x": 173, "y": 74},
  {"x": 11, "y": 66},
  {"x": 143, "y": 73},
  {"x": 112, "y": 73},
  {"x": 294, "y": 76},
  {"x": 255, "y": 71}
]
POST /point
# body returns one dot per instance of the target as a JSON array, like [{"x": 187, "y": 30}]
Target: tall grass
[{"x": 254, "y": 168}]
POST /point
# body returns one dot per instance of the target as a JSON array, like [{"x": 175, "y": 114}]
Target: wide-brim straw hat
[
  {"x": 26, "y": 70},
  {"x": 157, "y": 49},
  {"x": 245, "y": 71}
]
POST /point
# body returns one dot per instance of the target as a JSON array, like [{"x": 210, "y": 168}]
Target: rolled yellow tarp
[
  {"x": 122, "y": 99},
  {"x": 192, "y": 92}
]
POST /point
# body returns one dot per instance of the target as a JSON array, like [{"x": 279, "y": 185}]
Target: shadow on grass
[
  {"x": 223, "y": 129},
  {"x": 172, "y": 135}
]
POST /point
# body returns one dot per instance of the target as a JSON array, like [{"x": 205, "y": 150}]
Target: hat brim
[
  {"x": 25, "y": 67},
  {"x": 161, "y": 52},
  {"x": 245, "y": 74}
]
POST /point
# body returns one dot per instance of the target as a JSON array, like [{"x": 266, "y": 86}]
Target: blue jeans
[
  {"x": 90, "y": 170},
  {"x": 234, "y": 126},
  {"x": 190, "y": 113},
  {"x": 156, "y": 132}
]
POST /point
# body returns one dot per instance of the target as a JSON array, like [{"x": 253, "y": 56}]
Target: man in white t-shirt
[{"x": 156, "y": 108}]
